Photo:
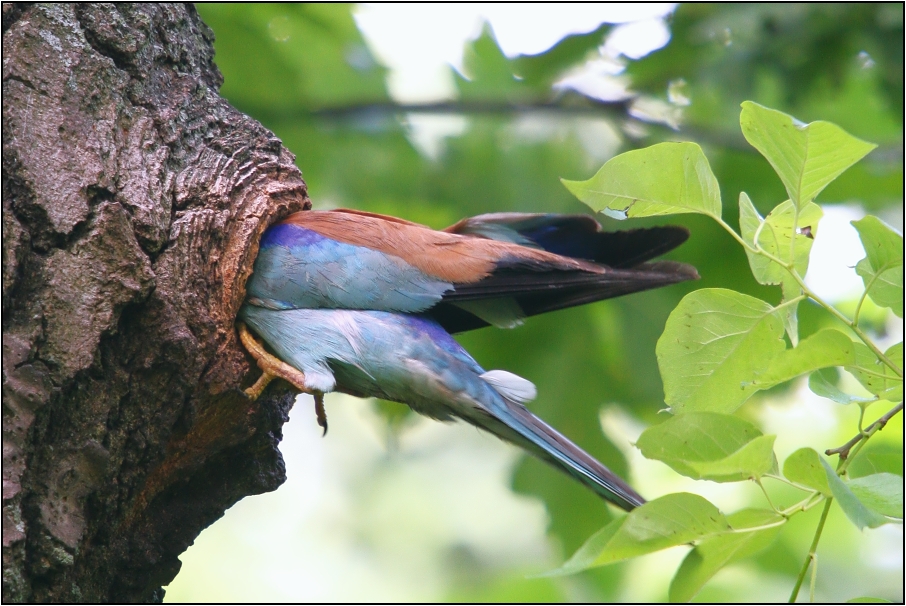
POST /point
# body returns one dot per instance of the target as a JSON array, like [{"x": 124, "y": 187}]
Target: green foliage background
[{"x": 305, "y": 72}]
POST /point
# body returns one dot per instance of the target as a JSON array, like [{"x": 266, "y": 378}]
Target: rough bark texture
[{"x": 133, "y": 200}]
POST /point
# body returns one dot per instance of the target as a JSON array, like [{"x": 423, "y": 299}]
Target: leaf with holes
[
  {"x": 664, "y": 179},
  {"x": 780, "y": 238}
]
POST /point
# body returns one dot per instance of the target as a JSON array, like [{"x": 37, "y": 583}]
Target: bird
[
  {"x": 493, "y": 269},
  {"x": 365, "y": 304},
  {"x": 411, "y": 359}
]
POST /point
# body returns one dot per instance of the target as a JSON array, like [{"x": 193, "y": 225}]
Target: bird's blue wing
[
  {"x": 488, "y": 270},
  {"x": 298, "y": 268}
]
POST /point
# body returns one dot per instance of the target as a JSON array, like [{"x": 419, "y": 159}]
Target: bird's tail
[{"x": 523, "y": 428}]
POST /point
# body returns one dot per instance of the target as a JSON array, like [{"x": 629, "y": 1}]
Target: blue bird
[
  {"x": 364, "y": 304},
  {"x": 493, "y": 269},
  {"x": 413, "y": 360}
]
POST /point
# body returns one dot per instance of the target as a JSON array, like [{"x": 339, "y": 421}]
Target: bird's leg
[{"x": 270, "y": 366}]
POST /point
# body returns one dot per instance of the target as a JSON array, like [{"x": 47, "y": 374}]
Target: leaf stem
[
  {"x": 793, "y": 301},
  {"x": 811, "y": 586},
  {"x": 785, "y": 481},
  {"x": 811, "y": 558},
  {"x": 861, "y": 301},
  {"x": 735, "y": 235},
  {"x": 780, "y": 522},
  {"x": 790, "y": 267},
  {"x": 803, "y": 505},
  {"x": 848, "y": 322},
  {"x": 767, "y": 496}
]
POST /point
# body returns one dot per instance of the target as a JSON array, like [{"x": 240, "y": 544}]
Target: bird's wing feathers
[
  {"x": 442, "y": 255},
  {"x": 510, "y": 386},
  {"x": 299, "y": 268},
  {"x": 478, "y": 272},
  {"x": 577, "y": 236}
]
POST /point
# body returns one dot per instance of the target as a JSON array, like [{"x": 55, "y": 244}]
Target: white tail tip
[{"x": 510, "y": 386}]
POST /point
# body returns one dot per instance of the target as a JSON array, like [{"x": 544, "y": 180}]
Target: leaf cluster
[{"x": 719, "y": 347}]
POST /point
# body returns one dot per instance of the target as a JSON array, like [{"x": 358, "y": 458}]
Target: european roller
[{"x": 364, "y": 304}]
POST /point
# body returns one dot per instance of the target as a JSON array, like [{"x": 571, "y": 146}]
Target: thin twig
[{"x": 878, "y": 425}]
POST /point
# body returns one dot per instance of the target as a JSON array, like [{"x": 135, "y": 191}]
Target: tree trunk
[{"x": 133, "y": 200}]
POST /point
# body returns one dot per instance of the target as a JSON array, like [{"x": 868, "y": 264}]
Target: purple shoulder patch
[{"x": 289, "y": 235}]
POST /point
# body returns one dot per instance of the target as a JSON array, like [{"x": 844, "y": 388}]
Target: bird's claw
[
  {"x": 320, "y": 412},
  {"x": 271, "y": 368}
]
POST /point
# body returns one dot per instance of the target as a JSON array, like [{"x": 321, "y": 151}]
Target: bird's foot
[{"x": 272, "y": 367}]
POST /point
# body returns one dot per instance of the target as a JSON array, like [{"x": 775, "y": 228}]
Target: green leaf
[
  {"x": 806, "y": 156},
  {"x": 664, "y": 179},
  {"x": 877, "y": 377},
  {"x": 751, "y": 461},
  {"x": 489, "y": 71},
  {"x": 882, "y": 492},
  {"x": 776, "y": 238},
  {"x": 710, "y": 446},
  {"x": 855, "y": 510},
  {"x": 790, "y": 313},
  {"x": 714, "y": 344},
  {"x": 877, "y": 457},
  {"x": 542, "y": 70},
  {"x": 671, "y": 520},
  {"x": 804, "y": 467},
  {"x": 784, "y": 236},
  {"x": 291, "y": 57},
  {"x": 868, "y": 600},
  {"x": 824, "y": 383},
  {"x": 715, "y": 552},
  {"x": 828, "y": 347},
  {"x": 882, "y": 268}
]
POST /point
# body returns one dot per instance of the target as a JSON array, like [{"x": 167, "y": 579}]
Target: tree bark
[{"x": 133, "y": 200}]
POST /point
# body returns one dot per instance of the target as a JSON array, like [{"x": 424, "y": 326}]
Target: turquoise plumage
[
  {"x": 365, "y": 304},
  {"x": 298, "y": 268},
  {"x": 411, "y": 359},
  {"x": 488, "y": 270}
]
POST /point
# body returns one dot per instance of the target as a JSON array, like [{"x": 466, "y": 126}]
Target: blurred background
[{"x": 437, "y": 112}]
